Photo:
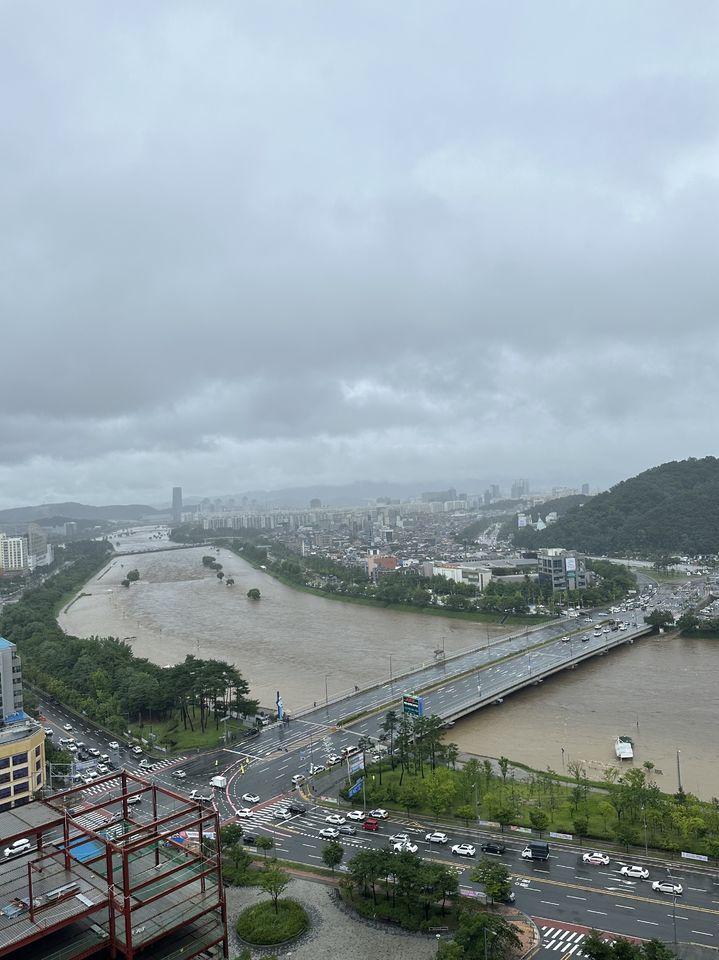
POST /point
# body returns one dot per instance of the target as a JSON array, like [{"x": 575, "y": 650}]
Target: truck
[
  {"x": 219, "y": 782},
  {"x": 536, "y": 850}
]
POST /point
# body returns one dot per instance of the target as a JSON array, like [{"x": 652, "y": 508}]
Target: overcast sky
[{"x": 269, "y": 244}]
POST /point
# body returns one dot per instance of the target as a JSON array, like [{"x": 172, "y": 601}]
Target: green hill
[{"x": 669, "y": 509}]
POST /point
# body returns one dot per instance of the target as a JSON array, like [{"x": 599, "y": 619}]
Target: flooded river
[{"x": 660, "y": 692}]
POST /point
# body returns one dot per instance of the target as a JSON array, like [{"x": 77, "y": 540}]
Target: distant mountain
[
  {"x": 666, "y": 510},
  {"x": 128, "y": 513}
]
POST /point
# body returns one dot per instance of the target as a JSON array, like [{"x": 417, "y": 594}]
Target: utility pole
[{"x": 679, "y": 773}]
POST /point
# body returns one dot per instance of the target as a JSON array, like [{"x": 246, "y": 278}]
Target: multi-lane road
[{"x": 564, "y": 890}]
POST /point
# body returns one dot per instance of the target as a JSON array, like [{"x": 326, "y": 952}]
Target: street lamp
[
  {"x": 674, "y": 904},
  {"x": 327, "y": 703},
  {"x": 679, "y": 773}
]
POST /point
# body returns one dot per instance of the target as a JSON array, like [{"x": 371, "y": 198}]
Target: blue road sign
[{"x": 356, "y": 787}]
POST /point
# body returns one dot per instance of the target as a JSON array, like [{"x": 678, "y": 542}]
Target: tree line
[{"x": 101, "y": 676}]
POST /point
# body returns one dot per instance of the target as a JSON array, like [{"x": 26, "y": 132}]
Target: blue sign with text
[{"x": 356, "y": 787}]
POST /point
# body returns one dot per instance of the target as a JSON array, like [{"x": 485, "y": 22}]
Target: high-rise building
[
  {"x": 176, "y": 504},
  {"x": 563, "y": 570},
  {"x": 10, "y": 681},
  {"x": 585, "y": 489},
  {"x": 22, "y": 740},
  {"x": 13, "y": 553},
  {"x": 520, "y": 488}
]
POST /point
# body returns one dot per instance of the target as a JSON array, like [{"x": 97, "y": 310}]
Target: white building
[{"x": 13, "y": 553}]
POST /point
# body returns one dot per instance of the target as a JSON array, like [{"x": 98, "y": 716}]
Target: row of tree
[{"x": 101, "y": 675}]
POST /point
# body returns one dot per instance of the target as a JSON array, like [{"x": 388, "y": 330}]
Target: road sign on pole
[
  {"x": 356, "y": 787},
  {"x": 412, "y": 706}
]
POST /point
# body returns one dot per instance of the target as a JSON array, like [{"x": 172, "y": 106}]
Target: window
[
  {"x": 38, "y": 764},
  {"x": 37, "y": 751},
  {"x": 4, "y": 763},
  {"x": 20, "y": 758},
  {"x": 20, "y": 772},
  {"x": 21, "y": 787},
  {"x": 4, "y": 778},
  {"x": 4, "y": 791}
]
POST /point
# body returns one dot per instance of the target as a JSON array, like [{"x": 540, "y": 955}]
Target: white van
[{"x": 20, "y": 846}]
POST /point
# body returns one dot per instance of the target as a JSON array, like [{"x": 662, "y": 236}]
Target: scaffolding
[{"x": 113, "y": 878}]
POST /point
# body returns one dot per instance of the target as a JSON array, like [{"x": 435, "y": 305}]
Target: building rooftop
[{"x": 4, "y": 644}]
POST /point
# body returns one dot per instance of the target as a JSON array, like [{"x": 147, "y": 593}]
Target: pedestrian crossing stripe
[{"x": 569, "y": 942}]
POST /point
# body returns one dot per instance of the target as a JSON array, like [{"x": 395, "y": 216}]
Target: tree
[
  {"x": 504, "y": 815},
  {"x": 495, "y": 878},
  {"x": 133, "y": 575},
  {"x": 466, "y": 812},
  {"x": 220, "y": 575},
  {"x": 660, "y": 618},
  {"x": 475, "y": 928},
  {"x": 539, "y": 820},
  {"x": 253, "y": 593},
  {"x": 581, "y": 827},
  {"x": 440, "y": 791},
  {"x": 125, "y": 582},
  {"x": 333, "y": 854},
  {"x": 265, "y": 844},
  {"x": 625, "y": 835},
  {"x": 274, "y": 880}
]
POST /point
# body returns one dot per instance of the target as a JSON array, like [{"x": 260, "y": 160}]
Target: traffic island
[{"x": 269, "y": 924}]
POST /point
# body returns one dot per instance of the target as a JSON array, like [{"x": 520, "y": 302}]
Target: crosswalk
[
  {"x": 98, "y": 789},
  {"x": 563, "y": 941},
  {"x": 307, "y": 824}
]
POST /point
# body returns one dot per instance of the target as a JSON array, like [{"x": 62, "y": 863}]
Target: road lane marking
[
  {"x": 702, "y": 933},
  {"x": 653, "y": 923},
  {"x": 601, "y": 913},
  {"x": 623, "y": 906},
  {"x": 570, "y": 896},
  {"x": 549, "y": 903}
]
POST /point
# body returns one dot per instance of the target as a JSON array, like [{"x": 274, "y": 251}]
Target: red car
[{"x": 371, "y": 824}]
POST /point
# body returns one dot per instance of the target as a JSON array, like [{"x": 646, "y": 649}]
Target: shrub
[{"x": 260, "y": 924}]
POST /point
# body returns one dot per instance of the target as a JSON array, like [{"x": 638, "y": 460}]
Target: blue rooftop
[{"x": 4, "y": 644}]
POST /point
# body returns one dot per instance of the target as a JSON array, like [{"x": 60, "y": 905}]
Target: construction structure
[{"x": 129, "y": 871}]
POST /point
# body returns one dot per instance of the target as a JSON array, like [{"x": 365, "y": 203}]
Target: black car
[
  {"x": 249, "y": 839},
  {"x": 295, "y": 807},
  {"x": 493, "y": 846}
]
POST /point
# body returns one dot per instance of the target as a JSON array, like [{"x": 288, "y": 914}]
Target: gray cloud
[{"x": 243, "y": 246}]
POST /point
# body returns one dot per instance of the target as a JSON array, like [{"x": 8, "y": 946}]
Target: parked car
[
  {"x": 436, "y": 837},
  {"x": 639, "y": 873},
  {"x": 598, "y": 859},
  {"x": 18, "y": 847},
  {"x": 463, "y": 850},
  {"x": 493, "y": 846}
]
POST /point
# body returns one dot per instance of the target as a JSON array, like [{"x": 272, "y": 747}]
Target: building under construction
[{"x": 134, "y": 874}]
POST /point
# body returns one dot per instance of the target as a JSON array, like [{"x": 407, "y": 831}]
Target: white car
[
  {"x": 399, "y": 838},
  {"x": 336, "y": 818},
  {"x": 282, "y": 814},
  {"x": 245, "y": 813},
  {"x": 179, "y": 774},
  {"x": 137, "y": 751},
  {"x": 331, "y": 832},
  {"x": 114, "y": 745},
  {"x": 298, "y": 778},
  {"x": 250, "y": 798},
  {"x": 463, "y": 850},
  {"x": 668, "y": 886},
  {"x": 436, "y": 837},
  {"x": 319, "y": 768},
  {"x": 596, "y": 858},
  {"x": 639, "y": 873},
  {"x": 20, "y": 846},
  {"x": 405, "y": 846},
  {"x": 95, "y": 752},
  {"x": 332, "y": 760},
  {"x": 379, "y": 814},
  {"x": 358, "y": 815},
  {"x": 49, "y": 732},
  {"x": 67, "y": 726}
]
